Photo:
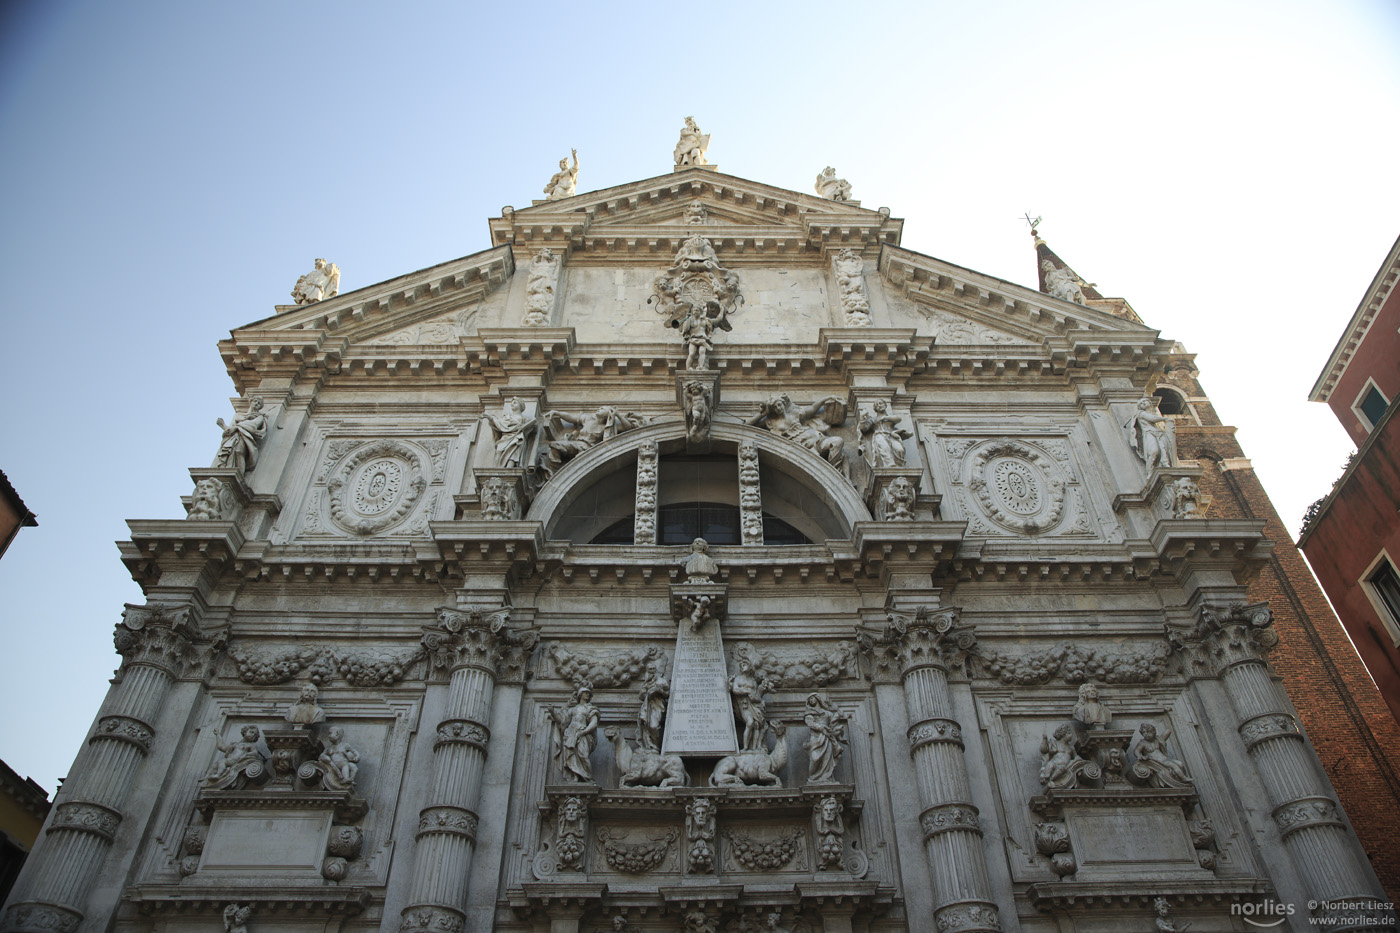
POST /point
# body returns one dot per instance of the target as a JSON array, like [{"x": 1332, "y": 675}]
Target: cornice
[{"x": 1382, "y": 286}]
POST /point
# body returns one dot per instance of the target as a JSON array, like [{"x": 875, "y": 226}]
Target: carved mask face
[
  {"x": 829, "y": 809},
  {"x": 250, "y": 733}
]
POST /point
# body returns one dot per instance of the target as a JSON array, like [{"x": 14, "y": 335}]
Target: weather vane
[{"x": 1034, "y": 223}]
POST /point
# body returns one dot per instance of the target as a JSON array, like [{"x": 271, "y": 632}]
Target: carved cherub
[
  {"x": 235, "y": 757},
  {"x": 1151, "y": 752},
  {"x": 340, "y": 759}
]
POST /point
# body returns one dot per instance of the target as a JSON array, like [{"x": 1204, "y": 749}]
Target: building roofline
[
  {"x": 1376, "y": 295},
  {"x": 27, "y": 518}
]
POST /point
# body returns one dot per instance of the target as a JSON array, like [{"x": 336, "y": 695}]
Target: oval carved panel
[
  {"x": 1017, "y": 486},
  {"x": 376, "y": 487}
]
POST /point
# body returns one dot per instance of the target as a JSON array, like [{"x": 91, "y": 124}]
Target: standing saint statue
[
  {"x": 826, "y": 744},
  {"x": 575, "y": 729},
  {"x": 239, "y": 448},
  {"x": 320, "y": 283},
  {"x": 690, "y": 150},
  {"x": 1152, "y": 435},
  {"x": 511, "y": 429},
  {"x": 748, "y": 690},
  {"x": 563, "y": 182},
  {"x": 655, "y": 690},
  {"x": 884, "y": 444}
]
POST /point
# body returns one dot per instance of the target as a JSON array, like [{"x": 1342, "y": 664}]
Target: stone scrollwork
[
  {"x": 965, "y": 916},
  {"x": 1018, "y": 486},
  {"x": 479, "y": 638},
  {"x": 750, "y": 495},
  {"x": 452, "y": 820},
  {"x": 539, "y": 288},
  {"x": 86, "y": 817},
  {"x": 127, "y": 729},
  {"x": 935, "y": 730},
  {"x": 431, "y": 920},
  {"x": 697, "y": 287},
  {"x": 1052, "y": 841},
  {"x": 644, "y": 525},
  {"x": 41, "y": 918},
  {"x": 1272, "y": 726},
  {"x": 377, "y": 487},
  {"x": 1299, "y": 814},
  {"x": 949, "y": 816},
  {"x": 462, "y": 732}
]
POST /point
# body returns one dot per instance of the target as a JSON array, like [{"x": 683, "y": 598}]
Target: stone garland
[
  {"x": 644, "y": 523},
  {"x": 758, "y": 855},
  {"x": 816, "y": 668},
  {"x": 634, "y": 858},
  {"x": 617, "y": 669},
  {"x": 269, "y": 666},
  {"x": 1075, "y": 664}
]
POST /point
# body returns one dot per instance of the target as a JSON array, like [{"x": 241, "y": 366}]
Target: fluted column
[
  {"x": 155, "y": 644},
  {"x": 1231, "y": 643},
  {"x": 468, "y": 646},
  {"x": 963, "y": 901}
]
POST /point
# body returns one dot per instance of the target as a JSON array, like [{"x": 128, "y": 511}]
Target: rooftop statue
[
  {"x": 320, "y": 283},
  {"x": 690, "y": 150},
  {"x": 563, "y": 182},
  {"x": 831, "y": 187}
]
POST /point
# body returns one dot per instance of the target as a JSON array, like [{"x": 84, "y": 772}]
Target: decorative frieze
[
  {"x": 644, "y": 509},
  {"x": 634, "y": 858},
  {"x": 934, "y": 730},
  {"x": 796, "y": 668},
  {"x": 750, "y": 495},
  {"x": 1269, "y": 726},
  {"x": 452, "y": 820},
  {"x": 1075, "y": 664},
  {"x": 614, "y": 669},
  {"x": 126, "y": 729},
  {"x": 86, "y": 817},
  {"x": 461, "y": 731},
  {"x": 1301, "y": 814},
  {"x": 947, "y": 817}
]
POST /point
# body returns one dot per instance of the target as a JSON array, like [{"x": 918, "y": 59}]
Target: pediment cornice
[{"x": 748, "y": 221}]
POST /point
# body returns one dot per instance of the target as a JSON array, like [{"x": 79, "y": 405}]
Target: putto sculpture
[
  {"x": 1152, "y": 435},
  {"x": 807, "y": 425},
  {"x": 319, "y": 284},
  {"x": 239, "y": 448},
  {"x": 563, "y": 182},
  {"x": 238, "y": 762},
  {"x": 690, "y": 149},
  {"x": 1061, "y": 765},
  {"x": 831, "y": 187},
  {"x": 1154, "y": 767},
  {"x": 699, "y": 410},
  {"x": 340, "y": 761}
]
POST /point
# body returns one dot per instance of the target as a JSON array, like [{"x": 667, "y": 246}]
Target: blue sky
[{"x": 167, "y": 170}]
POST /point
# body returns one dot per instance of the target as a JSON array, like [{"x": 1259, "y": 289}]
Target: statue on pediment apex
[
  {"x": 831, "y": 187},
  {"x": 1062, "y": 283},
  {"x": 563, "y": 183},
  {"x": 320, "y": 283},
  {"x": 690, "y": 149}
]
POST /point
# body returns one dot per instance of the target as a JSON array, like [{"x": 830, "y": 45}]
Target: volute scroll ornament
[
  {"x": 936, "y": 638},
  {"x": 1224, "y": 635}
]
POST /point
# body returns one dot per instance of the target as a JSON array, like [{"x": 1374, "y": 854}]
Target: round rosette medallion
[
  {"x": 376, "y": 487},
  {"x": 1018, "y": 486}
]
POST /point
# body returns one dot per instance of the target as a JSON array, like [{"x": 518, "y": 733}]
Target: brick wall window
[
  {"x": 1384, "y": 584},
  {"x": 1370, "y": 405}
]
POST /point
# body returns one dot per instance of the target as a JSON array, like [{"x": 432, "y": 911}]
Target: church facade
[{"x": 697, "y": 558}]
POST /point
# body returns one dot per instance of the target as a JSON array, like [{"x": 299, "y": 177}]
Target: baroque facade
[{"x": 697, "y": 558}]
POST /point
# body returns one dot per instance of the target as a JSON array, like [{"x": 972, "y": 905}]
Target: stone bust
[
  {"x": 700, "y": 567},
  {"x": 305, "y": 711}
]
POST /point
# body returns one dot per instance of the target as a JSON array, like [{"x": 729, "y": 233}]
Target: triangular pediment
[
  {"x": 648, "y": 218},
  {"x": 967, "y": 307}
]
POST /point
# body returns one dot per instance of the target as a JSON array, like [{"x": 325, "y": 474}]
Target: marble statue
[
  {"x": 575, "y": 729},
  {"x": 695, "y": 331},
  {"x": 320, "y": 283},
  {"x": 748, "y": 689},
  {"x": 690, "y": 150},
  {"x": 655, "y": 689},
  {"x": 884, "y": 441},
  {"x": 830, "y": 828},
  {"x": 563, "y": 182},
  {"x": 1062, "y": 283},
  {"x": 1153, "y": 762},
  {"x": 850, "y": 286},
  {"x": 831, "y": 187},
  {"x": 1089, "y": 710},
  {"x": 897, "y": 501},
  {"x": 700, "y": 834},
  {"x": 807, "y": 426},
  {"x": 236, "y": 918},
  {"x": 695, "y": 213},
  {"x": 305, "y": 711},
  {"x": 754, "y": 767},
  {"x": 1164, "y": 922},
  {"x": 700, "y": 567},
  {"x": 1152, "y": 435},
  {"x": 589, "y": 429},
  {"x": 826, "y": 743},
  {"x": 698, "y": 398},
  {"x": 234, "y": 758},
  {"x": 239, "y": 448},
  {"x": 511, "y": 430},
  {"x": 341, "y": 760}
]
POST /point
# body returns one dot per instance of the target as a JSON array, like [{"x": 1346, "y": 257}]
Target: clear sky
[{"x": 168, "y": 169}]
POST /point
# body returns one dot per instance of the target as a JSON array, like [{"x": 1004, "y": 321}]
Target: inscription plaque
[
  {"x": 254, "y": 841},
  {"x": 699, "y": 718}
]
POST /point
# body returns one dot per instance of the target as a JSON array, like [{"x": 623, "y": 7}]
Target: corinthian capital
[
  {"x": 479, "y": 638},
  {"x": 1223, "y": 636},
  {"x": 158, "y": 634},
  {"x": 937, "y": 638}
]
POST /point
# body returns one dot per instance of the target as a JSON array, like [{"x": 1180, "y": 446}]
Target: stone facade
[{"x": 437, "y": 648}]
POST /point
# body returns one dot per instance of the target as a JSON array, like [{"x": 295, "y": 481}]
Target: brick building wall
[{"x": 1356, "y": 738}]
